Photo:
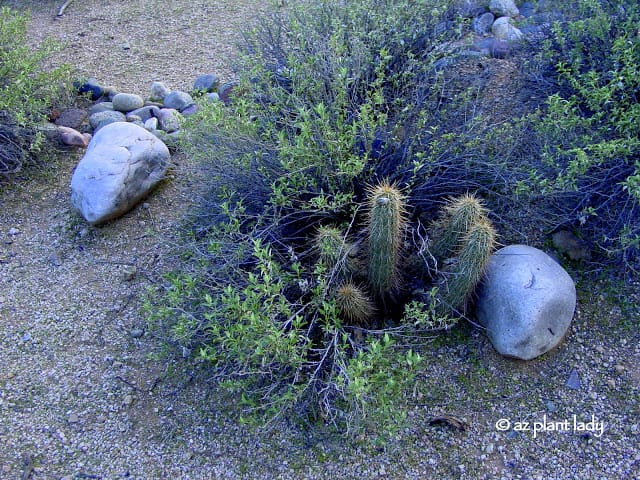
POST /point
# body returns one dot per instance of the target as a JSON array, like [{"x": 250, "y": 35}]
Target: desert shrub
[
  {"x": 588, "y": 132},
  {"x": 27, "y": 91},
  {"x": 310, "y": 284}
]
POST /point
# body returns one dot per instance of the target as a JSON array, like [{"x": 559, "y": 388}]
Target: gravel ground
[{"x": 81, "y": 397}]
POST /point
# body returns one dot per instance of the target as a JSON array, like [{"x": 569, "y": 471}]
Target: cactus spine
[
  {"x": 467, "y": 269},
  {"x": 386, "y": 222},
  {"x": 354, "y": 304},
  {"x": 458, "y": 217},
  {"x": 335, "y": 252}
]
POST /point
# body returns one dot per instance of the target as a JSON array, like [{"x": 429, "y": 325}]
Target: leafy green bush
[
  {"x": 286, "y": 298},
  {"x": 589, "y": 131},
  {"x": 26, "y": 91}
]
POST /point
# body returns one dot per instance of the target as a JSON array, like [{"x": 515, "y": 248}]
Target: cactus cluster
[
  {"x": 463, "y": 242},
  {"x": 465, "y": 236}
]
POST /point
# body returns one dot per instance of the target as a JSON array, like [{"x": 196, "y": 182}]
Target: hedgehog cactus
[
  {"x": 335, "y": 252},
  {"x": 386, "y": 222},
  {"x": 468, "y": 266},
  {"x": 458, "y": 217},
  {"x": 354, "y": 304}
]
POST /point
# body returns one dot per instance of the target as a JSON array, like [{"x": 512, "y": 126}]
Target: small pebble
[
  {"x": 137, "y": 332},
  {"x": 551, "y": 407},
  {"x": 13, "y": 231},
  {"x": 599, "y": 349},
  {"x": 73, "y": 418},
  {"x": 611, "y": 383},
  {"x": 619, "y": 368},
  {"x": 129, "y": 273},
  {"x": 128, "y": 400}
]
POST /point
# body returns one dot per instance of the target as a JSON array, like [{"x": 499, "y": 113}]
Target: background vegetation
[
  {"x": 27, "y": 92},
  {"x": 338, "y": 100}
]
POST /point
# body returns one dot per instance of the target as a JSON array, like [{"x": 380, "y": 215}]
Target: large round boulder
[
  {"x": 122, "y": 164},
  {"x": 526, "y": 302}
]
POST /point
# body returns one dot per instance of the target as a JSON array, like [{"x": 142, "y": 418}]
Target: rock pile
[
  {"x": 497, "y": 27},
  {"x": 126, "y": 157},
  {"x": 161, "y": 114}
]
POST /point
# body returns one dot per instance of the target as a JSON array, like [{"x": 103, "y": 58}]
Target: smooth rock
[
  {"x": 151, "y": 124},
  {"x": 504, "y": 8},
  {"x": 137, "y": 332},
  {"x": 100, "y": 107},
  {"x": 526, "y": 302},
  {"x": 158, "y": 91},
  {"x": 527, "y": 9},
  {"x": 206, "y": 83},
  {"x": 213, "y": 97},
  {"x": 503, "y": 30},
  {"x": 471, "y": 8},
  {"x": 125, "y": 102},
  {"x": 100, "y": 119},
  {"x": 145, "y": 113},
  {"x": 169, "y": 120},
  {"x": 225, "y": 90},
  {"x": 72, "y": 118},
  {"x": 110, "y": 92},
  {"x": 90, "y": 87},
  {"x": 190, "y": 110},
  {"x": 482, "y": 24},
  {"x": 122, "y": 164},
  {"x": 72, "y": 137},
  {"x": 178, "y": 100}
]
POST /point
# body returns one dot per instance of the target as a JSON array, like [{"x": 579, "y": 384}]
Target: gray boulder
[
  {"x": 72, "y": 118},
  {"x": 145, "y": 113},
  {"x": 158, "y": 91},
  {"x": 504, "y": 8},
  {"x": 206, "y": 83},
  {"x": 526, "y": 302},
  {"x": 100, "y": 119},
  {"x": 122, "y": 164},
  {"x": 503, "y": 30},
  {"x": 169, "y": 120},
  {"x": 482, "y": 24},
  {"x": 125, "y": 102},
  {"x": 100, "y": 107},
  {"x": 178, "y": 100}
]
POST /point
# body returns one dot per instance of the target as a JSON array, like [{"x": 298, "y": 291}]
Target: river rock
[
  {"x": 526, "y": 302},
  {"x": 100, "y": 119},
  {"x": 482, "y": 24},
  {"x": 169, "y": 120},
  {"x": 145, "y": 113},
  {"x": 72, "y": 118},
  {"x": 122, "y": 164},
  {"x": 100, "y": 107},
  {"x": 73, "y": 138},
  {"x": 206, "y": 83},
  {"x": 503, "y": 30},
  {"x": 158, "y": 91},
  {"x": 125, "y": 102},
  {"x": 504, "y": 8},
  {"x": 90, "y": 87},
  {"x": 178, "y": 100}
]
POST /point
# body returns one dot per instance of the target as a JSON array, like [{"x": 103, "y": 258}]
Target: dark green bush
[
  {"x": 588, "y": 133},
  {"x": 27, "y": 92}
]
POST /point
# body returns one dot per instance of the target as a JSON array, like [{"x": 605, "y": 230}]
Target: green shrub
[
  {"x": 286, "y": 306},
  {"x": 589, "y": 131},
  {"x": 26, "y": 91}
]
